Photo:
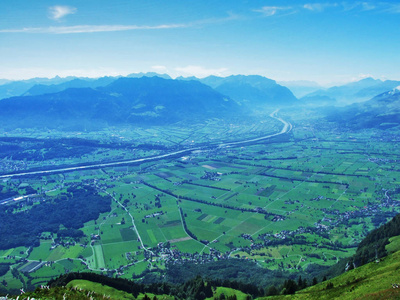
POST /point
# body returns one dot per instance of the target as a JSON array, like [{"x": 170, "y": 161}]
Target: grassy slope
[
  {"x": 84, "y": 289},
  {"x": 371, "y": 281},
  {"x": 99, "y": 289},
  {"x": 228, "y": 292}
]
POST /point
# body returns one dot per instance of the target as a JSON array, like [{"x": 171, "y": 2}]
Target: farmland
[{"x": 291, "y": 202}]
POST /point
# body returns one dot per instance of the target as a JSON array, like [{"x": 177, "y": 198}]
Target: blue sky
[{"x": 327, "y": 42}]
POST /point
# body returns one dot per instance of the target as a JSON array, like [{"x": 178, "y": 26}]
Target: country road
[{"x": 286, "y": 128}]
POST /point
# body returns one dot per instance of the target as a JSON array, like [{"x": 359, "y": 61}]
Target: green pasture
[
  {"x": 115, "y": 253},
  {"x": 99, "y": 261},
  {"x": 189, "y": 246},
  {"x": 394, "y": 244},
  {"x": 221, "y": 292},
  {"x": 47, "y": 272},
  {"x": 332, "y": 174},
  {"x": 100, "y": 289}
]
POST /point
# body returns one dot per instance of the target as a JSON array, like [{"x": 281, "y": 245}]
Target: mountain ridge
[
  {"x": 382, "y": 111},
  {"x": 252, "y": 90},
  {"x": 357, "y": 91},
  {"x": 125, "y": 100}
]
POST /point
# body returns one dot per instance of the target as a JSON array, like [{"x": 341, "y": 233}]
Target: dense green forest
[
  {"x": 371, "y": 248},
  {"x": 71, "y": 210},
  {"x": 373, "y": 245}
]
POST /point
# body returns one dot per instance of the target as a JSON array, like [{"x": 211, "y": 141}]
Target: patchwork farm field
[{"x": 293, "y": 202}]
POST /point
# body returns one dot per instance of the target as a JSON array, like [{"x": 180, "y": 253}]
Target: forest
[{"x": 70, "y": 209}]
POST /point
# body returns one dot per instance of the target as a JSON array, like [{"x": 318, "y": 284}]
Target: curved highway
[{"x": 286, "y": 128}]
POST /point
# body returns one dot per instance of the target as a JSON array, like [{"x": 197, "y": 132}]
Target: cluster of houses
[
  {"x": 214, "y": 176},
  {"x": 12, "y": 165},
  {"x": 171, "y": 254},
  {"x": 153, "y": 215}
]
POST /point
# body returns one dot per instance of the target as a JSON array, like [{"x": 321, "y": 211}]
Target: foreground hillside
[{"x": 376, "y": 280}]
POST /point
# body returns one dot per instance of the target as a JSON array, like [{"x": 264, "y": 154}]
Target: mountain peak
[
  {"x": 148, "y": 74},
  {"x": 369, "y": 79},
  {"x": 396, "y": 90},
  {"x": 365, "y": 82},
  {"x": 251, "y": 89}
]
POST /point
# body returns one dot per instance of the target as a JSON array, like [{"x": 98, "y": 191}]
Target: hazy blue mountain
[
  {"x": 151, "y": 100},
  {"x": 40, "y": 89},
  {"x": 318, "y": 100},
  {"x": 148, "y": 74},
  {"x": 301, "y": 88},
  {"x": 357, "y": 91},
  {"x": 17, "y": 88},
  {"x": 4, "y": 81},
  {"x": 380, "y": 88},
  {"x": 253, "y": 90},
  {"x": 382, "y": 111},
  {"x": 187, "y": 78},
  {"x": 155, "y": 95}
]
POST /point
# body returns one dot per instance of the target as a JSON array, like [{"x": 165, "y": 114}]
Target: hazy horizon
[{"x": 294, "y": 83}]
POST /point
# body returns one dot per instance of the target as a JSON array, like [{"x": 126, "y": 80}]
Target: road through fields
[{"x": 287, "y": 127}]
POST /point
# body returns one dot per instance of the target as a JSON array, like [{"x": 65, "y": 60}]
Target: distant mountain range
[
  {"x": 382, "y": 111},
  {"x": 153, "y": 98},
  {"x": 38, "y": 86},
  {"x": 137, "y": 98},
  {"x": 150, "y": 100},
  {"x": 148, "y": 74},
  {"x": 252, "y": 89},
  {"x": 300, "y": 88},
  {"x": 17, "y": 88},
  {"x": 352, "y": 92},
  {"x": 40, "y": 89}
]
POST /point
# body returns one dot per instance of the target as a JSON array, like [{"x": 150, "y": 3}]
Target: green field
[{"x": 271, "y": 202}]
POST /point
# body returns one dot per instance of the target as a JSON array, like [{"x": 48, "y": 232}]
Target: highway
[{"x": 287, "y": 127}]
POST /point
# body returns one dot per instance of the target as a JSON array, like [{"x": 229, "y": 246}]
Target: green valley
[{"x": 295, "y": 203}]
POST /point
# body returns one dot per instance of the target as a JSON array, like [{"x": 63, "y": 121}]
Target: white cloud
[
  {"x": 269, "y": 11},
  {"x": 347, "y": 6},
  {"x": 61, "y": 11},
  {"x": 319, "y": 7},
  {"x": 200, "y": 71},
  {"x": 57, "y": 12},
  {"x": 381, "y": 7},
  {"x": 361, "y": 76},
  {"x": 313, "y": 7},
  {"x": 160, "y": 69},
  {"x": 368, "y": 6},
  {"x": 88, "y": 28},
  {"x": 393, "y": 8}
]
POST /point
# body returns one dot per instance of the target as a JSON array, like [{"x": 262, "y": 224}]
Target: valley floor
[{"x": 295, "y": 201}]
